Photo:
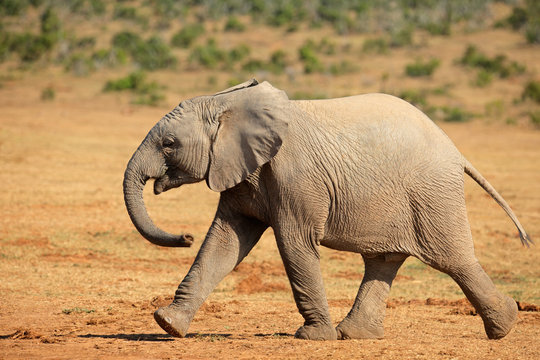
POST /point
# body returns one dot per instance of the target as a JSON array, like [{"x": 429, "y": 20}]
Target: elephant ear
[
  {"x": 252, "y": 124},
  {"x": 243, "y": 85}
]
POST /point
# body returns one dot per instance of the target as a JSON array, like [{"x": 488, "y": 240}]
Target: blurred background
[{"x": 457, "y": 60}]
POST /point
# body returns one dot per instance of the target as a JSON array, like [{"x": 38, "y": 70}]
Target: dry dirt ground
[{"x": 79, "y": 282}]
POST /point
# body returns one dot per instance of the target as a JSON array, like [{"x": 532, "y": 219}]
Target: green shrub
[
  {"x": 109, "y": 58},
  {"x": 238, "y": 53},
  {"x": 375, "y": 46},
  {"x": 307, "y": 54},
  {"x": 125, "y": 12},
  {"x": 13, "y": 7},
  {"x": 342, "y": 67},
  {"x": 126, "y": 40},
  {"x": 185, "y": 37},
  {"x": 420, "y": 68},
  {"x": 48, "y": 94},
  {"x": 483, "y": 78},
  {"x": 209, "y": 55},
  {"x": 31, "y": 47},
  {"x": 455, "y": 114},
  {"x": 532, "y": 91},
  {"x": 146, "y": 93},
  {"x": 535, "y": 117},
  {"x": 151, "y": 54},
  {"x": 402, "y": 37},
  {"x": 254, "y": 65},
  {"x": 498, "y": 65},
  {"x": 518, "y": 18},
  {"x": 133, "y": 81},
  {"x": 233, "y": 24},
  {"x": 50, "y": 23},
  {"x": 278, "y": 62}
]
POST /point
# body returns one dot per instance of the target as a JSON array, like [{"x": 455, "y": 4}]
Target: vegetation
[
  {"x": 48, "y": 94},
  {"x": 526, "y": 19},
  {"x": 498, "y": 65},
  {"x": 151, "y": 54},
  {"x": 147, "y": 93},
  {"x": 185, "y": 37},
  {"x": 422, "y": 68},
  {"x": 207, "y": 36},
  {"x": 532, "y": 91}
]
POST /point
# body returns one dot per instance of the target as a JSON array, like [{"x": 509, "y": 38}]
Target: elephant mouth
[{"x": 163, "y": 184}]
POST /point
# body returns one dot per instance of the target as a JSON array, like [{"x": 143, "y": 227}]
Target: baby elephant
[{"x": 369, "y": 174}]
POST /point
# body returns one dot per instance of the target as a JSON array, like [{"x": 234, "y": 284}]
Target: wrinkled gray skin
[{"x": 369, "y": 174}]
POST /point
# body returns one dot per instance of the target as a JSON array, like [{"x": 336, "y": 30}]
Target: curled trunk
[{"x": 134, "y": 182}]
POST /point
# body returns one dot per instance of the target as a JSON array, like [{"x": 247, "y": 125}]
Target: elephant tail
[{"x": 475, "y": 174}]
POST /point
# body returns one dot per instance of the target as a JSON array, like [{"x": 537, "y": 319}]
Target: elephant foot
[
  {"x": 499, "y": 322},
  {"x": 348, "y": 330},
  {"x": 172, "y": 320},
  {"x": 316, "y": 332}
]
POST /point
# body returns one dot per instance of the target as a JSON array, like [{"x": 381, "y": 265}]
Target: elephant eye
[{"x": 168, "y": 142}]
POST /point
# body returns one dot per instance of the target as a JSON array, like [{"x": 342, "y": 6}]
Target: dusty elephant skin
[{"x": 369, "y": 174}]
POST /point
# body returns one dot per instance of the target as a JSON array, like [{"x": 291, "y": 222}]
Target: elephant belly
[{"x": 372, "y": 227}]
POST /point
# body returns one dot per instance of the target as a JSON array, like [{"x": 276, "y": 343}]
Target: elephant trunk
[{"x": 134, "y": 181}]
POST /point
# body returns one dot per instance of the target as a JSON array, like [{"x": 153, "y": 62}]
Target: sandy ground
[{"x": 79, "y": 282}]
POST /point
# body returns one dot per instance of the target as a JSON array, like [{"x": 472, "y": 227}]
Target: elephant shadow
[{"x": 151, "y": 337}]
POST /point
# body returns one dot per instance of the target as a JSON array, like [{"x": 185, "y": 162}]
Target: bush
[
  {"x": 498, "y": 65},
  {"x": 152, "y": 54},
  {"x": 518, "y": 18},
  {"x": 307, "y": 54},
  {"x": 254, "y": 65},
  {"x": 420, "y": 68},
  {"x": 209, "y": 55},
  {"x": 185, "y": 37},
  {"x": 125, "y": 12},
  {"x": 126, "y": 40},
  {"x": 483, "y": 78},
  {"x": 48, "y": 94},
  {"x": 455, "y": 114},
  {"x": 535, "y": 117},
  {"x": 402, "y": 37},
  {"x": 278, "y": 62},
  {"x": 233, "y": 24},
  {"x": 31, "y": 47},
  {"x": 342, "y": 67},
  {"x": 110, "y": 58},
  {"x": 134, "y": 81},
  {"x": 532, "y": 91},
  {"x": 147, "y": 93},
  {"x": 13, "y": 7},
  {"x": 375, "y": 46}
]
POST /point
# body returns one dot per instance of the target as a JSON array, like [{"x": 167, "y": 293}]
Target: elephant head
[{"x": 221, "y": 138}]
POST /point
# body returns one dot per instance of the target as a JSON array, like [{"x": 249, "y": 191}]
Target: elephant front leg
[
  {"x": 365, "y": 320},
  {"x": 302, "y": 264},
  {"x": 228, "y": 241}
]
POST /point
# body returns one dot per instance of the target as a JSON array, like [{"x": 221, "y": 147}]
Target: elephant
[{"x": 368, "y": 174}]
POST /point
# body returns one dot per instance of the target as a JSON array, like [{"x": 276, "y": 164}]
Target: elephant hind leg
[
  {"x": 445, "y": 243},
  {"x": 365, "y": 320},
  {"x": 498, "y": 311}
]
